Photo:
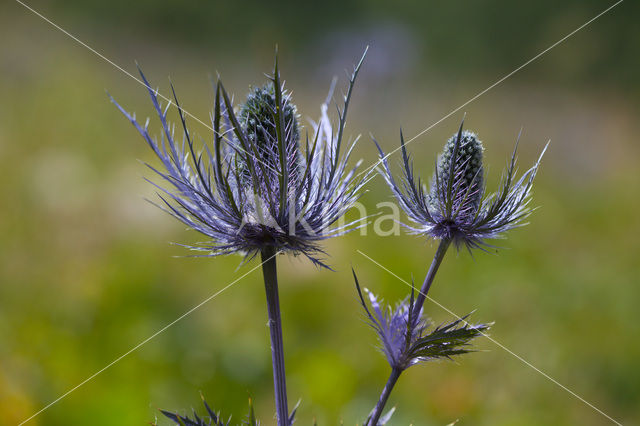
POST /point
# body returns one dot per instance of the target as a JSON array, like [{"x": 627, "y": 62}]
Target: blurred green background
[{"x": 86, "y": 271}]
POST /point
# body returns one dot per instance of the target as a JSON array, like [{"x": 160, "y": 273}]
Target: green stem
[{"x": 275, "y": 331}]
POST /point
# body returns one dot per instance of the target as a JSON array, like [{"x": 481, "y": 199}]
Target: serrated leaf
[{"x": 447, "y": 340}]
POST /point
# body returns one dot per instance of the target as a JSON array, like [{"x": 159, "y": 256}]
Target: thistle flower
[
  {"x": 455, "y": 208},
  {"x": 403, "y": 337},
  {"x": 257, "y": 192},
  {"x": 256, "y": 188}
]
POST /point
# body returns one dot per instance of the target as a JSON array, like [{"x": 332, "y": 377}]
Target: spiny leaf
[{"x": 447, "y": 340}]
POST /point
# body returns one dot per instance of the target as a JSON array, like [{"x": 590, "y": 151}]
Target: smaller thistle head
[
  {"x": 405, "y": 336},
  {"x": 455, "y": 209}
]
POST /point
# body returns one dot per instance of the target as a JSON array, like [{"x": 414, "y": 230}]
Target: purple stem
[
  {"x": 275, "y": 331},
  {"x": 417, "y": 307},
  {"x": 384, "y": 396},
  {"x": 426, "y": 285}
]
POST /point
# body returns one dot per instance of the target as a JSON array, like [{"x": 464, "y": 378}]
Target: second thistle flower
[{"x": 456, "y": 209}]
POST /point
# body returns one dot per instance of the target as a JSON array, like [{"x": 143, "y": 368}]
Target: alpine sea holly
[
  {"x": 256, "y": 186},
  {"x": 256, "y": 191},
  {"x": 454, "y": 209}
]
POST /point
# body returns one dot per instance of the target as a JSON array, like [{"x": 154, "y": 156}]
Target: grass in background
[{"x": 86, "y": 272}]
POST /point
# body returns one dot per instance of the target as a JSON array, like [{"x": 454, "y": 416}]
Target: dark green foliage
[
  {"x": 447, "y": 340},
  {"x": 212, "y": 418},
  {"x": 251, "y": 417}
]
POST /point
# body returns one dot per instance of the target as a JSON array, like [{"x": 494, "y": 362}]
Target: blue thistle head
[
  {"x": 255, "y": 188},
  {"x": 455, "y": 208},
  {"x": 407, "y": 339}
]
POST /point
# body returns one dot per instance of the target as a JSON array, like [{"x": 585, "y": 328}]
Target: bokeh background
[{"x": 86, "y": 271}]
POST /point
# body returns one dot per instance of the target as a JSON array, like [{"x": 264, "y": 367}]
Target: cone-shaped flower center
[
  {"x": 468, "y": 173},
  {"x": 258, "y": 116}
]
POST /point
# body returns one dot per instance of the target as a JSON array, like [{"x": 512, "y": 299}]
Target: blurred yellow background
[{"x": 86, "y": 271}]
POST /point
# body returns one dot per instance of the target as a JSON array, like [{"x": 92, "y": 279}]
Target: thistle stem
[
  {"x": 269, "y": 272},
  {"x": 417, "y": 307},
  {"x": 384, "y": 396},
  {"x": 431, "y": 274}
]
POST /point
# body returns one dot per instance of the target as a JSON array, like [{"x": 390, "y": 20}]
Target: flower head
[
  {"x": 455, "y": 208},
  {"x": 403, "y": 332},
  {"x": 256, "y": 187}
]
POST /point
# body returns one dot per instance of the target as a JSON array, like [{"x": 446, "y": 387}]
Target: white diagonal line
[
  {"x": 368, "y": 169},
  {"x": 101, "y": 56},
  {"x": 136, "y": 347},
  {"x": 527, "y": 363},
  {"x": 390, "y": 153},
  {"x": 109, "y": 61},
  {"x": 501, "y": 80}
]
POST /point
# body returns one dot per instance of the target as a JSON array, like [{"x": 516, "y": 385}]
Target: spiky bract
[
  {"x": 213, "y": 418},
  {"x": 403, "y": 332}
]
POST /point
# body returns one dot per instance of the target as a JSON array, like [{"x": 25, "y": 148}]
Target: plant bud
[{"x": 468, "y": 168}]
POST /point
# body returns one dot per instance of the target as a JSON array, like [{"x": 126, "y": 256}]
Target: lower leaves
[
  {"x": 404, "y": 336},
  {"x": 407, "y": 338},
  {"x": 213, "y": 418}
]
